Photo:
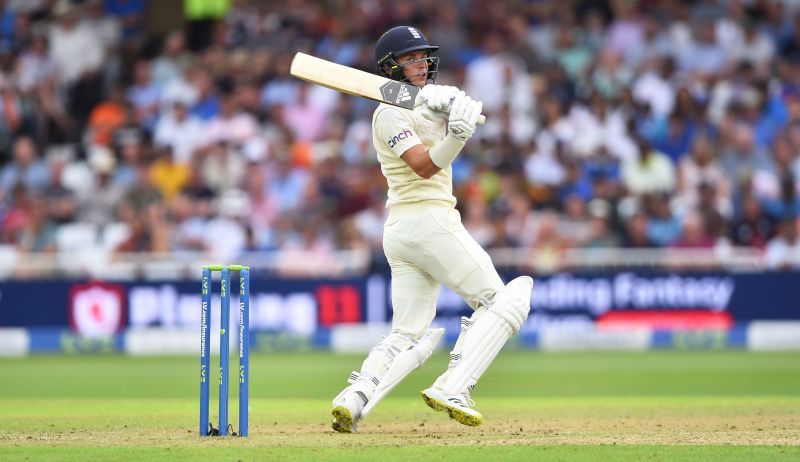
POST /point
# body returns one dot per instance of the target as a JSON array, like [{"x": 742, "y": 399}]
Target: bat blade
[{"x": 355, "y": 82}]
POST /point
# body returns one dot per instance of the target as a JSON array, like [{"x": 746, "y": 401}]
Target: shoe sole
[
  {"x": 342, "y": 420},
  {"x": 455, "y": 413}
]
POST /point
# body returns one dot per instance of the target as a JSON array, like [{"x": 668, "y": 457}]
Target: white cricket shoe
[
  {"x": 459, "y": 407},
  {"x": 347, "y": 407}
]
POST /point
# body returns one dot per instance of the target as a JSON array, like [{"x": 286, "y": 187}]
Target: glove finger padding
[
  {"x": 440, "y": 98},
  {"x": 457, "y": 108},
  {"x": 445, "y": 98},
  {"x": 423, "y": 95},
  {"x": 464, "y": 113},
  {"x": 437, "y": 97},
  {"x": 436, "y": 100},
  {"x": 469, "y": 109},
  {"x": 477, "y": 107}
]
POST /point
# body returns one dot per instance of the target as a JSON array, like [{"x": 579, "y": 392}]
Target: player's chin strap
[
  {"x": 484, "y": 334},
  {"x": 402, "y": 364}
]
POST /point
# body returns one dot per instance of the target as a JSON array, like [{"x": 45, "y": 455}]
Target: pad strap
[{"x": 402, "y": 365}]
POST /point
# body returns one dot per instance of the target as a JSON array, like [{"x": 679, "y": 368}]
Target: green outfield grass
[{"x": 721, "y": 405}]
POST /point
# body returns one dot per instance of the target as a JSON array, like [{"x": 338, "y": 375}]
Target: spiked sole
[
  {"x": 342, "y": 420},
  {"x": 455, "y": 413}
]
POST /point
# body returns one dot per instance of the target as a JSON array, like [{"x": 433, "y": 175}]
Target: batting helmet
[{"x": 399, "y": 41}]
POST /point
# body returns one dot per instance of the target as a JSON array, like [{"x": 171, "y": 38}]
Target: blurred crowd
[{"x": 616, "y": 123}]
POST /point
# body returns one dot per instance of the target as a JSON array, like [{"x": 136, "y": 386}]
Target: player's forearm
[
  {"x": 427, "y": 169},
  {"x": 419, "y": 160}
]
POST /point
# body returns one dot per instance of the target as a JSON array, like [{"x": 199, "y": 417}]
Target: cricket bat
[{"x": 355, "y": 82}]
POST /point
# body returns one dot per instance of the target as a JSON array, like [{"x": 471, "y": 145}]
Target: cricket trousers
[{"x": 426, "y": 246}]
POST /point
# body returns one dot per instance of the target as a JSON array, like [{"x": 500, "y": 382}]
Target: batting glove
[
  {"x": 464, "y": 113},
  {"x": 437, "y": 97}
]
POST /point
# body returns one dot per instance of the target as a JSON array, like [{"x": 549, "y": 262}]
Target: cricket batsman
[{"x": 427, "y": 245}]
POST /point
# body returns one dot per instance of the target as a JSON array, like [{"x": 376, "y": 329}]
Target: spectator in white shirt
[
  {"x": 35, "y": 65},
  {"x": 498, "y": 79},
  {"x": 653, "y": 87},
  {"x": 181, "y": 130},
  {"x": 755, "y": 48},
  {"x": 783, "y": 251},
  {"x": 168, "y": 65},
  {"x": 704, "y": 57},
  {"x": 74, "y": 47}
]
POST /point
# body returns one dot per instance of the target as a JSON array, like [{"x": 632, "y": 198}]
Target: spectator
[
  {"x": 611, "y": 75},
  {"x": 741, "y": 157},
  {"x": 497, "y": 78},
  {"x": 477, "y": 222},
  {"x": 578, "y": 92},
  {"x": 35, "y": 64},
  {"x": 17, "y": 214},
  {"x": 704, "y": 57},
  {"x": 143, "y": 193},
  {"x": 169, "y": 65},
  {"x": 100, "y": 207},
  {"x": 145, "y": 95},
  {"x": 60, "y": 201},
  {"x": 601, "y": 234},
  {"x": 627, "y": 29},
  {"x": 636, "y": 235},
  {"x": 676, "y": 141},
  {"x": 26, "y": 168},
  {"x": 572, "y": 56},
  {"x": 74, "y": 48},
  {"x": 232, "y": 125},
  {"x": 783, "y": 251},
  {"x": 180, "y": 130},
  {"x": 695, "y": 233},
  {"x": 39, "y": 232},
  {"x": 130, "y": 15},
  {"x": 653, "y": 86},
  {"x": 207, "y": 103},
  {"x": 663, "y": 226},
  {"x": 547, "y": 250},
  {"x": 701, "y": 167},
  {"x": 223, "y": 166},
  {"x": 17, "y": 113},
  {"x": 107, "y": 117},
  {"x": 755, "y": 48},
  {"x": 306, "y": 119},
  {"x": 650, "y": 172},
  {"x": 575, "y": 226},
  {"x": 168, "y": 176},
  {"x": 521, "y": 224}
]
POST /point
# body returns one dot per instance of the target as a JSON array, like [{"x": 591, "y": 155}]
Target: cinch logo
[
  {"x": 414, "y": 32},
  {"x": 400, "y": 136}
]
